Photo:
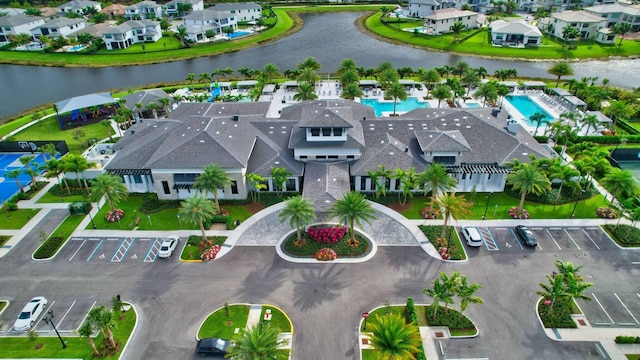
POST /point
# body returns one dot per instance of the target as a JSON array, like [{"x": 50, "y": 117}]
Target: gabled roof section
[
  {"x": 515, "y": 27},
  {"x": 84, "y": 101},
  {"x": 390, "y": 153},
  {"x": 449, "y": 13},
  {"x": 207, "y": 14},
  {"x": 578, "y": 16},
  {"x": 138, "y": 144},
  {"x": 442, "y": 141},
  {"x": 324, "y": 183},
  {"x": 15, "y": 20},
  {"x": 235, "y": 6},
  {"x": 325, "y": 118},
  {"x": 145, "y": 97}
]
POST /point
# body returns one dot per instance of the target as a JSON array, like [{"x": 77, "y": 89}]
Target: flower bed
[
  {"x": 210, "y": 253},
  {"x": 113, "y": 216},
  {"x": 325, "y": 254},
  {"x": 310, "y": 247},
  {"x": 430, "y": 213},
  {"x": 327, "y": 235},
  {"x": 514, "y": 213},
  {"x": 606, "y": 213}
]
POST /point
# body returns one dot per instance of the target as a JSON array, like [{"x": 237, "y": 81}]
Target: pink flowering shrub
[
  {"x": 513, "y": 213},
  {"x": 325, "y": 254},
  {"x": 327, "y": 235},
  {"x": 606, "y": 213},
  {"x": 210, "y": 253},
  {"x": 430, "y": 213},
  {"x": 113, "y": 216},
  {"x": 444, "y": 253}
]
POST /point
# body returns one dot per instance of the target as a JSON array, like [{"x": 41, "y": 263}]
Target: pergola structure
[{"x": 84, "y": 110}]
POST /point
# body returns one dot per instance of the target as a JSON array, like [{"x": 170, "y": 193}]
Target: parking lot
[{"x": 129, "y": 249}]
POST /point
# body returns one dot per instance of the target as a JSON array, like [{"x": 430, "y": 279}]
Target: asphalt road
[{"x": 325, "y": 301}]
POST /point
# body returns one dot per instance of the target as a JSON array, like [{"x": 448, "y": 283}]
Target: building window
[
  {"x": 234, "y": 187},
  {"x": 291, "y": 184},
  {"x": 326, "y": 131},
  {"x": 315, "y": 132},
  {"x": 333, "y": 156},
  {"x": 351, "y": 156},
  {"x": 137, "y": 179},
  {"x": 337, "y": 131},
  {"x": 303, "y": 157},
  {"x": 444, "y": 159},
  {"x": 165, "y": 187}
]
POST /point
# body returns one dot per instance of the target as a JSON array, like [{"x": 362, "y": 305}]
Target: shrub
[
  {"x": 49, "y": 247},
  {"x": 606, "y": 213},
  {"x": 411, "y": 312},
  {"x": 310, "y": 248},
  {"x": 433, "y": 233},
  {"x": 513, "y": 213},
  {"x": 620, "y": 339},
  {"x": 560, "y": 317},
  {"x": 113, "y": 216},
  {"x": 624, "y": 234},
  {"x": 448, "y": 317},
  {"x": 11, "y": 205},
  {"x": 325, "y": 254},
  {"x": 327, "y": 235},
  {"x": 210, "y": 253},
  {"x": 430, "y": 213}
]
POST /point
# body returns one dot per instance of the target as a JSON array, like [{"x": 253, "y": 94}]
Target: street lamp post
[
  {"x": 149, "y": 217},
  {"x": 180, "y": 221},
  {"x": 91, "y": 217},
  {"x": 49, "y": 321},
  {"x": 486, "y": 206},
  {"x": 365, "y": 315},
  {"x": 575, "y": 205}
]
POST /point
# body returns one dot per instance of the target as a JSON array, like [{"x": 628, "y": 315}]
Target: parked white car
[
  {"x": 472, "y": 236},
  {"x": 168, "y": 246},
  {"x": 30, "y": 314}
]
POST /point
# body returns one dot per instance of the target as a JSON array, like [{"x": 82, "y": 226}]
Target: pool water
[
  {"x": 527, "y": 107},
  {"x": 236, "y": 34},
  {"x": 401, "y": 106},
  {"x": 473, "y": 105}
]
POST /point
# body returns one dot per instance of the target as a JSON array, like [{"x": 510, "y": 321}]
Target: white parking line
[
  {"x": 86, "y": 315},
  {"x": 602, "y": 307},
  {"x": 554, "y": 240},
  {"x": 76, "y": 252},
  {"x": 626, "y": 308},
  {"x": 65, "y": 314},
  {"x": 593, "y": 242},
  {"x": 574, "y": 242}
]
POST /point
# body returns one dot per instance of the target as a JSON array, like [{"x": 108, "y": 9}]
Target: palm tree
[
  {"x": 398, "y": 92},
  {"x": 48, "y": 149},
  {"x": 538, "y": 118},
  {"x": 257, "y": 181},
  {"x": 429, "y": 78},
  {"x": 353, "y": 209},
  {"x": 260, "y": 341},
  {"x": 310, "y": 63},
  {"x": 380, "y": 178},
  {"x": 15, "y": 174},
  {"x": 441, "y": 92},
  {"x": 465, "y": 292},
  {"x": 300, "y": 213},
  {"x": 77, "y": 164},
  {"x": 528, "y": 179},
  {"x": 554, "y": 290},
  {"x": 351, "y": 91},
  {"x": 618, "y": 110},
  {"x": 391, "y": 338},
  {"x": 436, "y": 180},
  {"x": 86, "y": 331},
  {"x": 205, "y": 76},
  {"x": 197, "y": 210},
  {"x": 487, "y": 91},
  {"x": 406, "y": 181},
  {"x": 346, "y": 65},
  {"x": 470, "y": 79},
  {"x": 443, "y": 290},
  {"x": 109, "y": 186},
  {"x": 154, "y": 109},
  {"x": 591, "y": 121},
  {"x": 280, "y": 176},
  {"x": 560, "y": 69},
  {"x": 54, "y": 169},
  {"x": 213, "y": 178},
  {"x": 102, "y": 317},
  {"x": 566, "y": 175},
  {"x": 349, "y": 76},
  {"x": 190, "y": 78},
  {"x": 621, "y": 29},
  {"x": 164, "y": 103},
  {"x": 270, "y": 71},
  {"x": 27, "y": 160},
  {"x": 621, "y": 181},
  {"x": 482, "y": 72},
  {"x": 306, "y": 91},
  {"x": 570, "y": 34},
  {"x": 453, "y": 207},
  {"x": 456, "y": 28}
]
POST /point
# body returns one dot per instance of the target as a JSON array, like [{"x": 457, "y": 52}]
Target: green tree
[
  {"x": 380, "y": 178},
  {"x": 257, "y": 181},
  {"x": 258, "y": 342},
  {"x": 554, "y": 290},
  {"x": 109, "y": 186},
  {"x": 351, "y": 91},
  {"x": 353, "y": 209},
  {"x": 392, "y": 338},
  {"x": 77, "y": 164},
  {"x": 429, "y": 78},
  {"x": 306, "y": 91},
  {"x": 466, "y": 293},
  {"x": 86, "y": 331},
  {"x": 190, "y": 78},
  {"x": 453, "y": 207},
  {"x": 560, "y": 69},
  {"x": 566, "y": 175},
  {"x": 280, "y": 176},
  {"x": 443, "y": 290},
  {"x": 487, "y": 91},
  {"x": 310, "y": 63},
  {"x": 164, "y": 104},
  {"x": 349, "y": 76},
  {"x": 270, "y": 71},
  {"x": 396, "y": 91},
  {"x": 441, "y": 92},
  {"x": 388, "y": 77},
  {"x": 622, "y": 182},
  {"x": 102, "y": 318},
  {"x": 435, "y": 179},
  {"x": 470, "y": 79},
  {"x": 15, "y": 174},
  {"x": 300, "y": 213},
  {"x": 27, "y": 161},
  {"x": 538, "y": 118},
  {"x": 456, "y": 29},
  {"x": 211, "y": 180},
  {"x": 406, "y": 182},
  {"x": 621, "y": 29},
  {"x": 619, "y": 110},
  {"x": 54, "y": 169},
  {"x": 528, "y": 179},
  {"x": 590, "y": 121},
  {"x": 197, "y": 210},
  {"x": 154, "y": 109},
  {"x": 346, "y": 65}
]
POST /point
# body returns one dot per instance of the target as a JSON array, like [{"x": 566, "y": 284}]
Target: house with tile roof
[
  {"x": 442, "y": 20},
  {"x": 618, "y": 13},
  {"x": 587, "y": 24},
  {"x": 11, "y": 25},
  {"x": 241, "y": 11},
  {"x": 131, "y": 32},
  {"x": 422, "y": 8},
  {"x": 114, "y": 10},
  {"x": 515, "y": 34},
  {"x": 328, "y": 147},
  {"x": 78, "y": 6}
]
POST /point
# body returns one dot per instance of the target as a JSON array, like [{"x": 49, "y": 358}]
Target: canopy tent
[
  {"x": 246, "y": 83},
  {"x": 602, "y": 118},
  {"x": 534, "y": 84},
  {"x": 561, "y": 92},
  {"x": 575, "y": 101},
  {"x": 78, "y": 105}
]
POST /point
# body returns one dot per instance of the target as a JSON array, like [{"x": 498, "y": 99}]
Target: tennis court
[{"x": 10, "y": 162}]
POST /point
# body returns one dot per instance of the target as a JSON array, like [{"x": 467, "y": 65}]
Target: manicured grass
[
  {"x": 5, "y": 129},
  {"x": 476, "y": 42},
  {"x": 51, "y": 198},
  {"x": 77, "y": 347},
  {"x": 278, "y": 318},
  {"x": 68, "y": 226},
  {"x": 434, "y": 232},
  {"x": 560, "y": 316},
  {"x": 633, "y": 357},
  {"x": 623, "y": 235},
  {"x": 49, "y": 129},
  {"x": 462, "y": 332},
  {"x": 421, "y": 314},
  {"x": 369, "y": 354},
  {"x": 216, "y": 325},
  {"x": 3, "y": 304},
  {"x": 193, "y": 250},
  {"x": 16, "y": 219},
  {"x": 169, "y": 42}
]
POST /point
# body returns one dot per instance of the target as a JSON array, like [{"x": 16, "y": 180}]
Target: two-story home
[
  {"x": 143, "y": 10},
  {"x": 11, "y": 25},
  {"x": 441, "y": 20},
  {"x": 586, "y": 23},
  {"x": 618, "y": 13},
  {"x": 173, "y": 7},
  {"x": 422, "y": 8},
  {"x": 515, "y": 34},
  {"x": 59, "y": 27},
  {"x": 241, "y": 11},
  {"x": 78, "y": 6},
  {"x": 132, "y": 32},
  {"x": 198, "y": 23}
]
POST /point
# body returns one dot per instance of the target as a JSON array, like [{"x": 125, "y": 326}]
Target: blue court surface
[{"x": 10, "y": 162}]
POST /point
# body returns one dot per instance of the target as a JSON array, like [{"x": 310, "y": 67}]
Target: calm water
[
  {"x": 527, "y": 107},
  {"x": 328, "y": 38},
  {"x": 401, "y": 106}
]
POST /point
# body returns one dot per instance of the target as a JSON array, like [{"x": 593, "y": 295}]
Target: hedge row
[
  {"x": 49, "y": 247},
  {"x": 413, "y": 319},
  {"x": 627, "y": 339}
]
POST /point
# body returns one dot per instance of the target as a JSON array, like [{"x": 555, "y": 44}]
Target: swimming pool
[
  {"x": 527, "y": 107},
  {"x": 401, "y": 106},
  {"x": 236, "y": 34},
  {"x": 473, "y": 105},
  {"x": 76, "y": 48}
]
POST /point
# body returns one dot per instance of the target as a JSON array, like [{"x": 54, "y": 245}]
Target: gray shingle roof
[
  {"x": 15, "y": 20},
  {"x": 207, "y": 14},
  {"x": 324, "y": 183},
  {"x": 60, "y": 22},
  {"x": 235, "y": 6},
  {"x": 442, "y": 141},
  {"x": 324, "y": 118},
  {"x": 388, "y": 152},
  {"x": 145, "y": 97}
]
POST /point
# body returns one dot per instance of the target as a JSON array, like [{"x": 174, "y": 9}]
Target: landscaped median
[{"x": 53, "y": 243}]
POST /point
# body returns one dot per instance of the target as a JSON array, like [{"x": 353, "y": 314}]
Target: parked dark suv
[
  {"x": 526, "y": 235},
  {"x": 212, "y": 347}
]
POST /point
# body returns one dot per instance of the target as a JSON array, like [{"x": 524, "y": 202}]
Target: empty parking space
[
  {"x": 617, "y": 311},
  {"x": 562, "y": 239},
  {"x": 599, "y": 237},
  {"x": 142, "y": 249},
  {"x": 506, "y": 240},
  {"x": 68, "y": 315}
]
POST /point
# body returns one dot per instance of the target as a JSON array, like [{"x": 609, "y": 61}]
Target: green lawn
[
  {"x": 68, "y": 226},
  {"x": 50, "y": 198},
  {"x": 16, "y": 219},
  {"x": 633, "y": 357},
  {"x": 50, "y": 130},
  {"x": 193, "y": 249},
  {"x": 278, "y": 318},
  {"x": 3, "y": 304},
  {"x": 5, "y": 129},
  {"x": 368, "y": 354},
  {"x": 58, "y": 238},
  {"x": 22, "y": 347},
  {"x": 217, "y": 324},
  {"x": 477, "y": 43},
  {"x": 383, "y": 311}
]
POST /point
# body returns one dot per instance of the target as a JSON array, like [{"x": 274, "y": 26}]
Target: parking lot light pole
[
  {"x": 91, "y": 217},
  {"x": 486, "y": 206},
  {"x": 49, "y": 321},
  {"x": 365, "y": 315},
  {"x": 576, "y": 204}
]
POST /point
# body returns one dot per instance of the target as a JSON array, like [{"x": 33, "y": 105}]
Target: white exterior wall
[
  {"x": 248, "y": 14},
  {"x": 311, "y": 154},
  {"x": 178, "y": 194},
  {"x": 63, "y": 31},
  {"x": 26, "y": 28},
  {"x": 481, "y": 182},
  {"x": 444, "y": 25},
  {"x": 421, "y": 10},
  {"x": 125, "y": 38},
  {"x": 589, "y": 29}
]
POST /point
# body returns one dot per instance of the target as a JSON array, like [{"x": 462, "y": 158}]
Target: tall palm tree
[
  {"x": 456, "y": 29},
  {"x": 554, "y": 290},
  {"x": 351, "y": 91},
  {"x": 15, "y": 174},
  {"x": 349, "y": 76},
  {"x": 396, "y": 91},
  {"x": 388, "y": 77},
  {"x": 54, "y": 169},
  {"x": 453, "y": 207},
  {"x": 621, "y": 181},
  {"x": 48, "y": 149},
  {"x": 621, "y": 29},
  {"x": 528, "y": 179},
  {"x": 393, "y": 339},
  {"x": 429, "y": 78},
  {"x": 487, "y": 91},
  {"x": 197, "y": 210},
  {"x": 435, "y": 179},
  {"x": 353, "y": 209},
  {"x": 300, "y": 213},
  {"x": 86, "y": 331},
  {"x": 538, "y": 118},
  {"x": 109, "y": 186},
  {"x": 77, "y": 164},
  {"x": 280, "y": 176},
  {"x": 164, "y": 103},
  {"x": 270, "y": 71},
  {"x": 591, "y": 121},
  {"x": 560, "y": 69},
  {"x": 380, "y": 178},
  {"x": 190, "y": 77},
  {"x": 470, "y": 79},
  {"x": 306, "y": 91},
  {"x": 258, "y": 342},
  {"x": 406, "y": 182},
  {"x": 27, "y": 161},
  {"x": 566, "y": 175},
  {"x": 465, "y": 292},
  {"x": 102, "y": 317},
  {"x": 211, "y": 180},
  {"x": 443, "y": 290},
  {"x": 310, "y": 63},
  {"x": 346, "y": 65},
  {"x": 154, "y": 109},
  {"x": 441, "y": 92}
]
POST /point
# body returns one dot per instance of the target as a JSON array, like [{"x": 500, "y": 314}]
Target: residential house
[
  {"x": 78, "y": 6},
  {"x": 95, "y": 30},
  {"x": 132, "y": 32},
  {"x": 114, "y": 10},
  {"x": 11, "y": 25},
  {"x": 241, "y": 11},
  {"x": 59, "y": 27},
  {"x": 422, "y": 8},
  {"x": 515, "y": 34},
  {"x": 606, "y": 36},
  {"x": 11, "y": 11},
  {"x": 172, "y": 8},
  {"x": 143, "y": 10},
  {"x": 144, "y": 98},
  {"x": 586, "y": 23},
  {"x": 328, "y": 147},
  {"x": 199, "y": 22},
  {"x": 441, "y": 20},
  {"x": 481, "y": 6},
  {"x": 618, "y": 13}
]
